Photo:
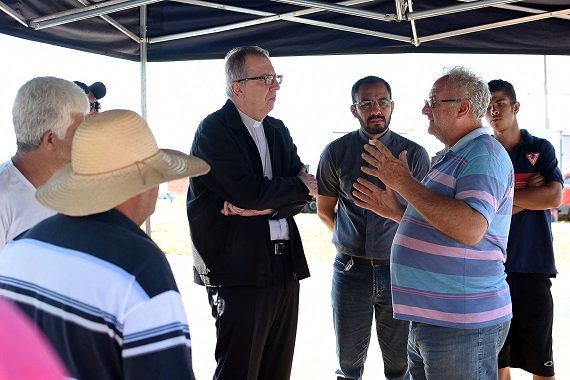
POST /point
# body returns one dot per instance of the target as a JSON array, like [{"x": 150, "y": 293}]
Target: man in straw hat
[
  {"x": 89, "y": 277},
  {"x": 46, "y": 113},
  {"x": 247, "y": 248}
]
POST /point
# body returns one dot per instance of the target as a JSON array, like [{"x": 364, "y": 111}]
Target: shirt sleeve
[
  {"x": 327, "y": 178},
  {"x": 484, "y": 183}
]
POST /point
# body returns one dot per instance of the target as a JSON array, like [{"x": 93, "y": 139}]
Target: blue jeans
[
  {"x": 360, "y": 292},
  {"x": 436, "y": 352}
]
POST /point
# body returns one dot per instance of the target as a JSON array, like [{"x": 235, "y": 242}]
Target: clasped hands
[{"x": 308, "y": 179}]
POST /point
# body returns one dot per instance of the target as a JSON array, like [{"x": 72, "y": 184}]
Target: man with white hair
[
  {"x": 96, "y": 285},
  {"x": 447, "y": 258},
  {"x": 46, "y": 112}
]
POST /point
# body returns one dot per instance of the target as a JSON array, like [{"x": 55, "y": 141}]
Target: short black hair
[
  {"x": 503, "y": 85},
  {"x": 368, "y": 80}
]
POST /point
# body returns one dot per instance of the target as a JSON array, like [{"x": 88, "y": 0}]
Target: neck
[
  {"x": 34, "y": 166},
  {"x": 374, "y": 136},
  {"x": 509, "y": 138}
]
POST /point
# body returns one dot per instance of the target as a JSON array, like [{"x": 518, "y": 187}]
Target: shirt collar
[
  {"x": 384, "y": 139},
  {"x": 248, "y": 121},
  {"x": 469, "y": 137}
]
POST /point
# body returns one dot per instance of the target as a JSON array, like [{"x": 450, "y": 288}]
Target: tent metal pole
[
  {"x": 143, "y": 60},
  {"x": 518, "y": 8},
  {"x": 115, "y": 24},
  {"x": 546, "y": 112},
  {"x": 415, "y": 39},
  {"x": 89, "y": 11},
  {"x": 290, "y": 16},
  {"x": 344, "y": 9},
  {"x": 495, "y": 25},
  {"x": 12, "y": 13},
  {"x": 457, "y": 8}
]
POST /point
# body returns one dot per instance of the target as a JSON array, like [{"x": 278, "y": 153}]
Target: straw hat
[{"x": 114, "y": 157}]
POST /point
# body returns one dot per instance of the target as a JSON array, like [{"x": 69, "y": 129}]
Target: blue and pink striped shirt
[{"x": 440, "y": 281}]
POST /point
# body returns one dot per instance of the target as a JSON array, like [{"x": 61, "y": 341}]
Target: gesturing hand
[
  {"x": 383, "y": 202},
  {"x": 389, "y": 169}
]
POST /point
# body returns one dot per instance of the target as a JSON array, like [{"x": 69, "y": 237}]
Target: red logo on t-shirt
[{"x": 532, "y": 158}]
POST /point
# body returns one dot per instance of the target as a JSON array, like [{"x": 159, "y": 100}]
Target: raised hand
[{"x": 383, "y": 202}]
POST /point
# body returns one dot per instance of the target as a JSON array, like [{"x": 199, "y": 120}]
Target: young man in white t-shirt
[{"x": 46, "y": 113}]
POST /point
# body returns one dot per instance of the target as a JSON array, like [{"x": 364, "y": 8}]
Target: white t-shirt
[{"x": 19, "y": 209}]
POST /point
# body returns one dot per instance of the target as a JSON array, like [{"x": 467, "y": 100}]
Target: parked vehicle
[
  {"x": 563, "y": 210},
  {"x": 311, "y": 207}
]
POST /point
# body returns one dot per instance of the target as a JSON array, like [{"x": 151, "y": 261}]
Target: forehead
[
  {"x": 258, "y": 64},
  {"x": 500, "y": 95},
  {"x": 372, "y": 91},
  {"x": 440, "y": 87}
]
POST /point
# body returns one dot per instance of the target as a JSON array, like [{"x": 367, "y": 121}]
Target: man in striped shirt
[
  {"x": 97, "y": 286},
  {"x": 447, "y": 257}
]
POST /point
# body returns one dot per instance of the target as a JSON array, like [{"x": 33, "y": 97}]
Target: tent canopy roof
[{"x": 191, "y": 30}]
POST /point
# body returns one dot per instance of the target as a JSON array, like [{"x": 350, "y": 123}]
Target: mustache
[{"x": 375, "y": 117}]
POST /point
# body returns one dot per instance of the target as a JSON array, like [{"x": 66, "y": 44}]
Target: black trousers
[{"x": 256, "y": 326}]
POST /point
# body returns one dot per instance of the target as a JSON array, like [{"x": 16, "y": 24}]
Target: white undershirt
[
  {"x": 278, "y": 229},
  {"x": 19, "y": 209}
]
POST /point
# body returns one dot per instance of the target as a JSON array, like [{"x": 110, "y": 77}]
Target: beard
[{"x": 375, "y": 129}]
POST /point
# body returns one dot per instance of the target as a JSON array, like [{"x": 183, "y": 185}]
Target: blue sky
[{"x": 313, "y": 101}]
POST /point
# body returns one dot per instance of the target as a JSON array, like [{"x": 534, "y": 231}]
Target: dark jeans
[{"x": 360, "y": 292}]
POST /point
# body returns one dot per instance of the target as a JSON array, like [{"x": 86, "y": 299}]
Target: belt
[
  {"x": 279, "y": 247},
  {"x": 366, "y": 260}
]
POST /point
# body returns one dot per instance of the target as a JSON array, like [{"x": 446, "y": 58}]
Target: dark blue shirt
[
  {"x": 359, "y": 232},
  {"x": 530, "y": 248}
]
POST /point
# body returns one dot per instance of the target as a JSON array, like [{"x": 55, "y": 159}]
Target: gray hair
[
  {"x": 46, "y": 104},
  {"x": 470, "y": 87},
  {"x": 235, "y": 64}
]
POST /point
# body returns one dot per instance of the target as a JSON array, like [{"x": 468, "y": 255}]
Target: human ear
[
  {"x": 353, "y": 111},
  {"x": 516, "y": 107}
]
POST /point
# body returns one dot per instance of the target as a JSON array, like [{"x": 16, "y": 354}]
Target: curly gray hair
[{"x": 470, "y": 87}]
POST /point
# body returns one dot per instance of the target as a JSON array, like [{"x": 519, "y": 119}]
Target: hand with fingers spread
[
  {"x": 382, "y": 202},
  {"x": 392, "y": 171}
]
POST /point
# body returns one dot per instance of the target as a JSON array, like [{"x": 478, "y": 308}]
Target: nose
[
  {"x": 426, "y": 109},
  {"x": 494, "y": 111},
  {"x": 275, "y": 85}
]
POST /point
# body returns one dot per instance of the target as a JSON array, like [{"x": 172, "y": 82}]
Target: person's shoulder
[
  {"x": 274, "y": 122},
  {"x": 536, "y": 140},
  {"x": 6, "y": 170},
  {"x": 228, "y": 109},
  {"x": 406, "y": 142}
]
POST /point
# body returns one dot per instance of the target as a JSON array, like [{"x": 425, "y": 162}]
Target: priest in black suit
[{"x": 246, "y": 246}]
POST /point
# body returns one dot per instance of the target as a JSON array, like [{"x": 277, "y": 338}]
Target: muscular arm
[
  {"x": 326, "y": 210},
  {"x": 453, "y": 217}
]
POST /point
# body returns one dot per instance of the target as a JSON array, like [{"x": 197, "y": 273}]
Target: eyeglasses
[
  {"x": 268, "y": 79},
  {"x": 94, "y": 106},
  {"x": 431, "y": 103},
  {"x": 368, "y": 104}
]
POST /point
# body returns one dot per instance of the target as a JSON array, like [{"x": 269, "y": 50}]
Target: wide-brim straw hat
[{"x": 114, "y": 157}]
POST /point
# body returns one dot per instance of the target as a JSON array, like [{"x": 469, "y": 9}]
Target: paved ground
[{"x": 315, "y": 352}]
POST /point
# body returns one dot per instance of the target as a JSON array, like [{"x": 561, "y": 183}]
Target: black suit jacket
[{"x": 235, "y": 250}]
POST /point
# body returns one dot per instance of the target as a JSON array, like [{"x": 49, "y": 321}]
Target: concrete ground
[{"x": 315, "y": 356}]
